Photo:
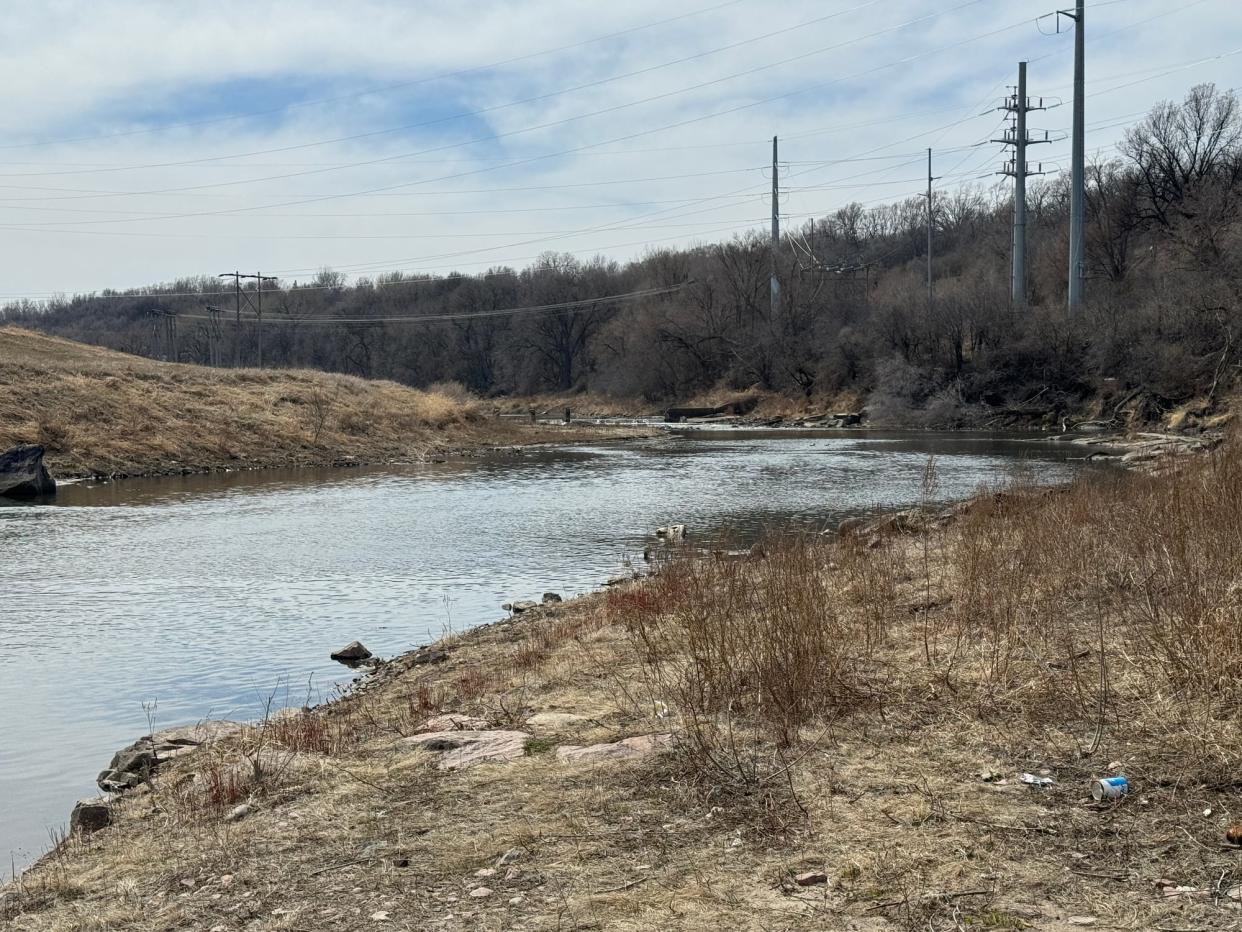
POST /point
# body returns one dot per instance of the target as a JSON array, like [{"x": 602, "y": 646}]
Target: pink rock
[
  {"x": 625, "y": 749},
  {"x": 467, "y": 748}
]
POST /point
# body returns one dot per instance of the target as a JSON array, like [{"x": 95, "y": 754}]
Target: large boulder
[
  {"x": 22, "y": 473},
  {"x": 134, "y": 764},
  {"x": 90, "y": 815}
]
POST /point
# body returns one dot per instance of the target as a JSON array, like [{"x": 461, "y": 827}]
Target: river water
[{"x": 208, "y": 595}]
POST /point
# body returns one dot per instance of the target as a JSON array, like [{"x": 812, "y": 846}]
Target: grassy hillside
[{"x": 100, "y": 412}]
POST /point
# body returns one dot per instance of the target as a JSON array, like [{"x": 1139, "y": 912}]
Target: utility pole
[
  {"x": 260, "y": 278},
  {"x": 1077, "y": 251},
  {"x": 930, "y": 222},
  {"x": 1018, "y": 169},
  {"x": 236, "y": 276},
  {"x": 213, "y": 335},
  {"x": 776, "y": 232}
]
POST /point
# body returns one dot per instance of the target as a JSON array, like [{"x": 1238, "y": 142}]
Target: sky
[{"x": 144, "y": 142}]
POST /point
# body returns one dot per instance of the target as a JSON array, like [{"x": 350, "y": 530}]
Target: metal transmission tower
[
  {"x": 1019, "y": 104},
  {"x": 1077, "y": 250},
  {"x": 236, "y": 276},
  {"x": 776, "y": 232},
  {"x": 259, "y": 279}
]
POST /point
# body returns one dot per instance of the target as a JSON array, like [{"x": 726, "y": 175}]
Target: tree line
[{"x": 853, "y": 320}]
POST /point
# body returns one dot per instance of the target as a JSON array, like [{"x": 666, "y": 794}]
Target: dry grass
[
  {"x": 100, "y": 412},
  {"x": 837, "y": 702}
]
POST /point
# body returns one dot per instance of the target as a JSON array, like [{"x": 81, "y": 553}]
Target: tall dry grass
[
  {"x": 1106, "y": 613},
  {"x": 747, "y": 653},
  {"x": 102, "y": 412}
]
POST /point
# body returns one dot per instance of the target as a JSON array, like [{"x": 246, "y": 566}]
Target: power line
[{"x": 470, "y": 315}]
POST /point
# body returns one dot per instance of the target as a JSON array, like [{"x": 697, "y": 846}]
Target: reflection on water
[{"x": 207, "y": 594}]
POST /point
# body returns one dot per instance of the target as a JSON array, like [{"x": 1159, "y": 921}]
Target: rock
[
  {"x": 672, "y": 532},
  {"x": 132, "y": 766},
  {"x": 22, "y": 473},
  {"x": 848, "y": 418},
  {"x": 238, "y": 813},
  {"x": 351, "y": 654},
  {"x": 509, "y": 857},
  {"x": 551, "y": 721},
  {"x": 552, "y": 597},
  {"x": 114, "y": 781},
  {"x": 524, "y": 606},
  {"x": 429, "y": 655},
  {"x": 849, "y": 526},
  {"x": 479, "y": 892},
  {"x": 129, "y": 768},
  {"x": 484, "y": 872},
  {"x": 619, "y": 580},
  {"x": 625, "y": 749},
  {"x": 1233, "y": 834},
  {"x": 468, "y": 748},
  {"x": 811, "y": 878},
  {"x": 454, "y": 722},
  {"x": 90, "y": 815}
]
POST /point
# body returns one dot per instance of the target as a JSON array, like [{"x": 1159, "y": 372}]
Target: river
[{"x": 208, "y": 596}]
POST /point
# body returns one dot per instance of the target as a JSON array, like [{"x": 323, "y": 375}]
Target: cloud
[{"x": 122, "y": 164}]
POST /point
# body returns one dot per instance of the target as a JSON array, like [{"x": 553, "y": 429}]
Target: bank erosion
[
  {"x": 98, "y": 412},
  {"x": 897, "y": 728}
]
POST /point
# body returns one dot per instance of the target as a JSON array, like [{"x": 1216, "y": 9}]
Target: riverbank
[
  {"x": 99, "y": 413},
  {"x": 850, "y": 723}
]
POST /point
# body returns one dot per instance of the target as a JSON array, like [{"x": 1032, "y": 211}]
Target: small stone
[
  {"x": 516, "y": 900},
  {"x": 351, "y": 653},
  {"x": 381, "y": 916},
  {"x": 187, "y": 882},
  {"x": 226, "y": 879},
  {"x": 479, "y": 892},
  {"x": 811, "y": 878},
  {"x": 510, "y": 856},
  {"x": 524, "y": 606},
  {"x": 485, "y": 872},
  {"x": 552, "y": 597},
  {"x": 238, "y": 813},
  {"x": 427, "y": 655}
]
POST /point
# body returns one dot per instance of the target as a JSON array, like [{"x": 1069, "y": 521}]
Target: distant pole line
[
  {"x": 259, "y": 279},
  {"x": 236, "y": 276}
]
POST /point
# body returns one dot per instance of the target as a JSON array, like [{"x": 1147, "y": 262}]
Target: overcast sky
[{"x": 147, "y": 141}]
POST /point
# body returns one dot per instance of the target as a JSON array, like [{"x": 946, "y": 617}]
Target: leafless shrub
[{"x": 748, "y": 653}]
